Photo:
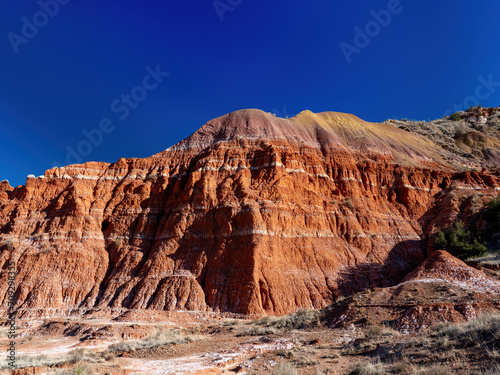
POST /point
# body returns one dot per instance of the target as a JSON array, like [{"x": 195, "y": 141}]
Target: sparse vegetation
[
  {"x": 8, "y": 242},
  {"x": 303, "y": 318},
  {"x": 455, "y": 116},
  {"x": 152, "y": 176},
  {"x": 490, "y": 258},
  {"x": 284, "y": 369},
  {"x": 37, "y": 361},
  {"x": 258, "y": 331},
  {"x": 467, "y": 348},
  {"x": 373, "y": 367},
  {"x": 269, "y": 325},
  {"x": 480, "y": 330},
  {"x": 79, "y": 369},
  {"x": 76, "y": 356},
  {"x": 373, "y": 332},
  {"x": 493, "y": 212},
  {"x": 348, "y": 203},
  {"x": 158, "y": 338},
  {"x": 47, "y": 249},
  {"x": 284, "y": 353},
  {"x": 460, "y": 242},
  {"x": 467, "y": 243},
  {"x": 400, "y": 367}
]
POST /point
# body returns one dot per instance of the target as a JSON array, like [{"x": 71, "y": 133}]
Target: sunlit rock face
[{"x": 251, "y": 214}]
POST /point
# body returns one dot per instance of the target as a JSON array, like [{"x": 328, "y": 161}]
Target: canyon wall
[{"x": 252, "y": 214}]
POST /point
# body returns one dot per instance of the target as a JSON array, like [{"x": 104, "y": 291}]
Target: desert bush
[
  {"x": 79, "y": 369},
  {"x": 37, "y": 361},
  {"x": 493, "y": 212},
  {"x": 493, "y": 370},
  {"x": 76, "y": 356},
  {"x": 267, "y": 321},
  {"x": 326, "y": 371},
  {"x": 258, "y": 331},
  {"x": 349, "y": 349},
  {"x": 285, "y": 369},
  {"x": 374, "y": 332},
  {"x": 283, "y": 353},
  {"x": 490, "y": 258},
  {"x": 452, "y": 330},
  {"x": 47, "y": 249},
  {"x": 158, "y": 338},
  {"x": 83, "y": 369},
  {"x": 460, "y": 242},
  {"x": 400, "y": 367},
  {"x": 482, "y": 329},
  {"x": 493, "y": 354},
  {"x": 435, "y": 370},
  {"x": 301, "y": 319},
  {"x": 8, "y": 242},
  {"x": 455, "y": 116},
  {"x": 152, "y": 176},
  {"x": 230, "y": 323},
  {"x": 373, "y": 367},
  {"x": 305, "y": 361},
  {"x": 348, "y": 203}
]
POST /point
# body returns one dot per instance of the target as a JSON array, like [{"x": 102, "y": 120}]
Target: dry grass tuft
[
  {"x": 258, "y": 331},
  {"x": 373, "y": 367},
  {"x": 285, "y": 369},
  {"x": 374, "y": 332},
  {"x": 435, "y": 370},
  {"x": 301, "y": 319},
  {"x": 158, "y": 338},
  {"x": 79, "y": 369},
  {"x": 482, "y": 329}
]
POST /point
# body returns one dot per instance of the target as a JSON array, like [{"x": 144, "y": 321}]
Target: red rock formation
[
  {"x": 442, "y": 267},
  {"x": 251, "y": 214},
  {"x": 441, "y": 289}
]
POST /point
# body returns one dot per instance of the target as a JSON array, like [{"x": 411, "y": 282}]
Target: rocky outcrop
[
  {"x": 472, "y": 141},
  {"x": 251, "y": 214},
  {"x": 441, "y": 289}
]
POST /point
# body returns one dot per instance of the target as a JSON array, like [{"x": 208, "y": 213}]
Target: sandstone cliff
[{"x": 251, "y": 214}]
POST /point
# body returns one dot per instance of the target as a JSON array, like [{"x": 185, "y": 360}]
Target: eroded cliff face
[{"x": 251, "y": 214}]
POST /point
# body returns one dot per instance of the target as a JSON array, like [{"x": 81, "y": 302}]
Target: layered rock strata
[{"x": 252, "y": 214}]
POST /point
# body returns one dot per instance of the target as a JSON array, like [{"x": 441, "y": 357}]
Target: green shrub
[
  {"x": 455, "y": 116},
  {"x": 459, "y": 242},
  {"x": 493, "y": 212}
]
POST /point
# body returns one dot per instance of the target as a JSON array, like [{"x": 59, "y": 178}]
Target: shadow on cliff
[
  {"x": 401, "y": 260},
  {"x": 406, "y": 255}
]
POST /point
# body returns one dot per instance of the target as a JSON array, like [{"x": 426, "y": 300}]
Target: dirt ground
[{"x": 191, "y": 345}]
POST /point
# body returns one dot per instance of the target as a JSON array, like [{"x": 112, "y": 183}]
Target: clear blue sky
[{"x": 282, "y": 57}]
